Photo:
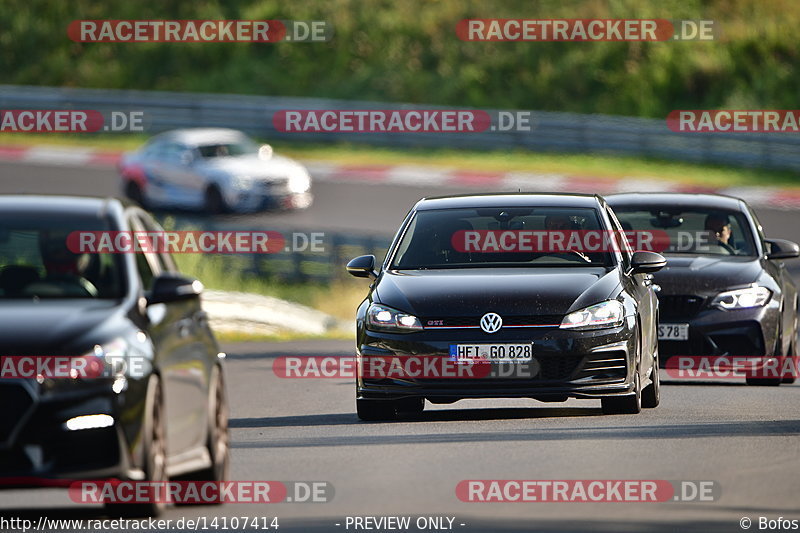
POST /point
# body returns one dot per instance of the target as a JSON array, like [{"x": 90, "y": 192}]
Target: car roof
[
  {"x": 198, "y": 136},
  {"x": 509, "y": 200},
  {"x": 66, "y": 205},
  {"x": 673, "y": 199}
]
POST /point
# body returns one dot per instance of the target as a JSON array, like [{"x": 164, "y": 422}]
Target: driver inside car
[
  {"x": 720, "y": 228},
  {"x": 64, "y": 269}
]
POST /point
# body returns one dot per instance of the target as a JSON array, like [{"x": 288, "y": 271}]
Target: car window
[
  {"x": 500, "y": 236},
  {"x": 759, "y": 229},
  {"x": 698, "y": 230},
  {"x": 40, "y": 256},
  {"x": 172, "y": 151},
  {"x": 624, "y": 247},
  {"x": 228, "y": 149},
  {"x": 166, "y": 261},
  {"x": 148, "y": 264}
]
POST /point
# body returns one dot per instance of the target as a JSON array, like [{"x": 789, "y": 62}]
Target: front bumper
[
  {"x": 249, "y": 201},
  {"x": 713, "y": 332},
  {"x": 36, "y": 449},
  {"x": 568, "y": 364}
]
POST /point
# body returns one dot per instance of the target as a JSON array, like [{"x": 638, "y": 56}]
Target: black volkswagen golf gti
[
  {"x": 154, "y": 405},
  {"x": 725, "y": 293},
  {"x": 466, "y": 282}
]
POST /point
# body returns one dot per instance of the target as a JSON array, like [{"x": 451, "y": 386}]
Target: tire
[
  {"x": 214, "y": 202},
  {"x": 792, "y": 356},
  {"x": 767, "y": 382},
  {"x": 135, "y": 193},
  {"x": 375, "y": 410},
  {"x": 155, "y": 455},
  {"x": 410, "y": 406},
  {"x": 218, "y": 443},
  {"x": 651, "y": 395},
  {"x": 625, "y": 405},
  {"x": 763, "y": 382}
]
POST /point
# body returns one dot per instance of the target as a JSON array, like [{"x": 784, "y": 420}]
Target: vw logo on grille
[{"x": 491, "y": 322}]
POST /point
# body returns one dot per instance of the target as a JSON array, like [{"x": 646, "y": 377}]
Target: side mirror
[
  {"x": 643, "y": 262},
  {"x": 170, "y": 287},
  {"x": 362, "y": 266},
  {"x": 781, "y": 249}
]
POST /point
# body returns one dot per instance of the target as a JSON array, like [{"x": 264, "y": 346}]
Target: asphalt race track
[{"x": 743, "y": 438}]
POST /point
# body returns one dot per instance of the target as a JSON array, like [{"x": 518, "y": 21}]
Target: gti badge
[{"x": 491, "y": 322}]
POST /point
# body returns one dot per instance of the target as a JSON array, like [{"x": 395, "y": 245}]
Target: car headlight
[
  {"x": 742, "y": 298},
  {"x": 385, "y": 318},
  {"x": 103, "y": 362},
  {"x": 609, "y": 314},
  {"x": 299, "y": 182}
]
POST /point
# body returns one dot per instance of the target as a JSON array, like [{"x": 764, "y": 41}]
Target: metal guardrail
[
  {"x": 297, "y": 266},
  {"x": 555, "y": 132}
]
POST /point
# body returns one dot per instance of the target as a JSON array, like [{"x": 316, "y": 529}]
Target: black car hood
[
  {"x": 56, "y": 327},
  {"x": 509, "y": 291},
  {"x": 706, "y": 275}
]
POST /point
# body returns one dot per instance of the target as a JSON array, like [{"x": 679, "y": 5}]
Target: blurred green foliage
[{"x": 408, "y": 51}]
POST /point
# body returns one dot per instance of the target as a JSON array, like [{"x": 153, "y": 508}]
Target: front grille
[
  {"x": 681, "y": 306},
  {"x": 558, "y": 367},
  {"x": 15, "y": 401},
  {"x": 474, "y": 321}
]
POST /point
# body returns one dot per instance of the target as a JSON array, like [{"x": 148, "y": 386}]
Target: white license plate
[
  {"x": 673, "y": 332},
  {"x": 493, "y": 353}
]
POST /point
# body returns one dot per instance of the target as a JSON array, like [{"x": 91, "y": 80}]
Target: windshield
[
  {"x": 228, "y": 149},
  {"x": 698, "y": 231},
  {"x": 501, "y": 237},
  {"x": 36, "y": 261}
]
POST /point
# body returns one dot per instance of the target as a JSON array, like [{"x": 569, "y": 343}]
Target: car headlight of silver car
[
  {"x": 608, "y": 314},
  {"x": 742, "y": 298},
  {"x": 381, "y": 317},
  {"x": 299, "y": 182}
]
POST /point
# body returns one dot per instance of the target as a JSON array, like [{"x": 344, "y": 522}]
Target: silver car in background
[{"x": 215, "y": 170}]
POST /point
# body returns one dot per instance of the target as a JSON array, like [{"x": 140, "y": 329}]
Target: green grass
[
  {"x": 603, "y": 166},
  {"x": 82, "y": 140},
  {"x": 227, "y": 273},
  {"x": 526, "y": 161},
  {"x": 231, "y": 336}
]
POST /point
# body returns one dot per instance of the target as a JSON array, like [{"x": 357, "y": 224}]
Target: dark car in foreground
[
  {"x": 155, "y": 407},
  {"x": 725, "y": 291},
  {"x": 537, "y": 323}
]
